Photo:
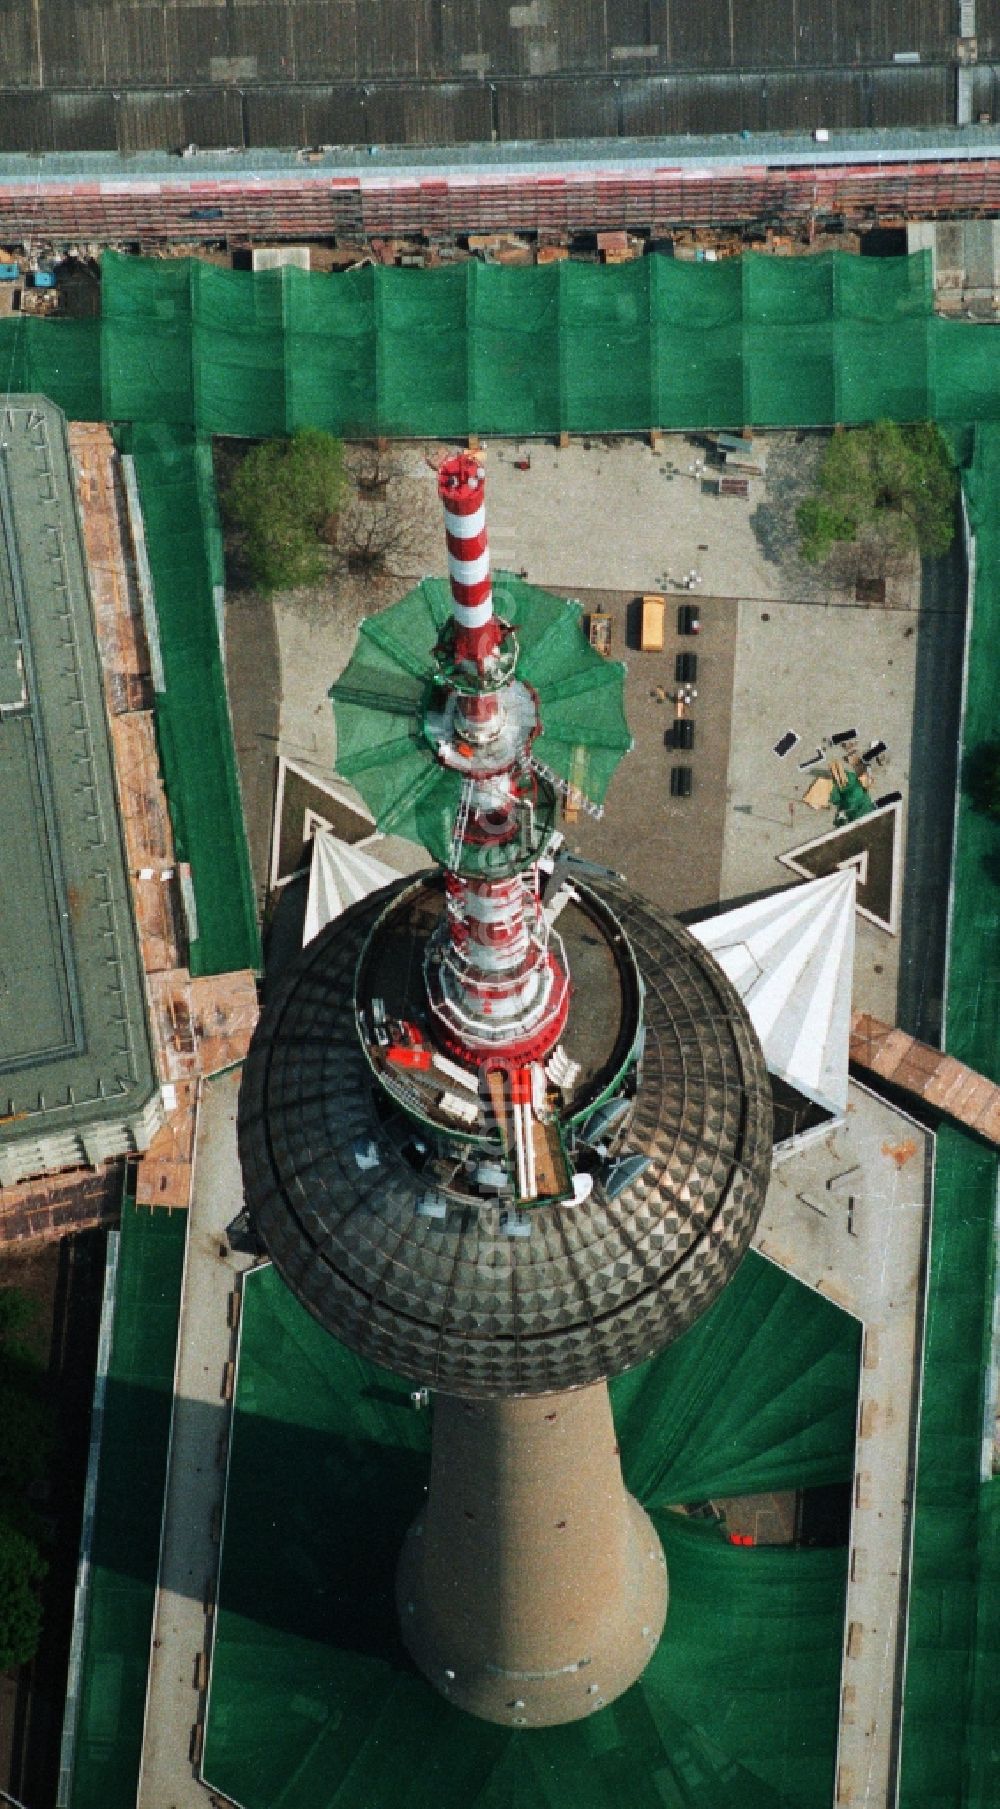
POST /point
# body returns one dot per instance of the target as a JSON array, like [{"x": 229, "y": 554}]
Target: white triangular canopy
[
  {"x": 790, "y": 957},
  {"x": 339, "y": 875}
]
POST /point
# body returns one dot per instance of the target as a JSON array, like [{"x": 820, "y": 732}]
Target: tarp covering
[
  {"x": 953, "y": 1611},
  {"x": 584, "y": 348},
  {"x": 973, "y": 993},
  {"x": 192, "y": 714},
  {"x": 313, "y": 1705},
  {"x": 698, "y": 1420},
  {"x": 339, "y": 875},
  {"x": 790, "y": 957},
  {"x": 951, "y": 1725},
  {"x": 129, "y": 1508},
  {"x": 380, "y": 700},
  {"x": 520, "y": 351}
]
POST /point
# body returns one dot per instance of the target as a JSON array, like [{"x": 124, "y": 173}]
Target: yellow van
[{"x": 651, "y": 637}]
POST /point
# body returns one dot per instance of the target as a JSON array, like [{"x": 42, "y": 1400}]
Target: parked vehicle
[{"x": 652, "y": 633}]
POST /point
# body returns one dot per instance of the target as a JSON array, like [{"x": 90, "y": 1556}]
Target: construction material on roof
[
  {"x": 849, "y": 798},
  {"x": 651, "y": 633},
  {"x": 819, "y": 794},
  {"x": 790, "y": 956},
  {"x": 933, "y": 1079},
  {"x": 338, "y": 876},
  {"x": 599, "y": 631}
]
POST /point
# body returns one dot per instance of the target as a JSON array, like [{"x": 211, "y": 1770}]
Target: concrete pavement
[
  {"x": 196, "y": 1473},
  {"x": 849, "y": 1215}
]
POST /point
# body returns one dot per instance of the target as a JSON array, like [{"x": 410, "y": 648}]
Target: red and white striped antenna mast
[{"x": 499, "y": 994}]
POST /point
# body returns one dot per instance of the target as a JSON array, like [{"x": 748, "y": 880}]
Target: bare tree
[{"x": 381, "y": 527}]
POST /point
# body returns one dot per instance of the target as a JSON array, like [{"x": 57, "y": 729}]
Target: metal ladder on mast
[{"x": 461, "y": 821}]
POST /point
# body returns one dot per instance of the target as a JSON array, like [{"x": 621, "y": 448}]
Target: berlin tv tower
[{"x": 506, "y": 1130}]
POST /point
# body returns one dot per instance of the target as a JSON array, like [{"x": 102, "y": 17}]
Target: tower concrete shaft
[{"x": 532, "y": 1588}]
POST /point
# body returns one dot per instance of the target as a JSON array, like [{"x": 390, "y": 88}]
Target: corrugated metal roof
[
  {"x": 557, "y": 108},
  {"x": 208, "y": 116},
  {"x": 308, "y": 116},
  {"x": 105, "y": 45},
  {"x": 428, "y": 113},
  {"x": 419, "y": 71},
  {"x": 988, "y": 28},
  {"x": 26, "y": 122},
  {"x": 84, "y": 122},
  {"x": 474, "y": 111},
  {"x": 18, "y": 49},
  {"x": 928, "y": 94}
]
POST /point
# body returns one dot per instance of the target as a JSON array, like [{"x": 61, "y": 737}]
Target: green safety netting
[
  {"x": 65, "y": 366},
  {"x": 129, "y": 1507},
  {"x": 757, "y": 340},
  {"x": 380, "y": 700},
  {"x": 521, "y": 351},
  {"x": 973, "y": 1029},
  {"x": 327, "y": 1468},
  {"x": 951, "y": 1729},
  {"x": 184, "y": 543},
  {"x": 695, "y": 1423},
  {"x": 983, "y": 1720},
  {"x": 954, "y": 1607}
]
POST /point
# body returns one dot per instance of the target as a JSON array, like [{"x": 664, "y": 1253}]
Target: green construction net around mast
[{"x": 382, "y": 699}]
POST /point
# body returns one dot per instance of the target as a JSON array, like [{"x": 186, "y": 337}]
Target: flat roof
[
  {"x": 130, "y": 45},
  {"x": 74, "y": 1044}
]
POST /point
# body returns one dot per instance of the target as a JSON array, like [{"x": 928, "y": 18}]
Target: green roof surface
[
  {"x": 74, "y": 1041},
  {"x": 194, "y": 730},
  {"x": 951, "y": 1729},
  {"x": 128, "y": 1510},
  {"x": 313, "y": 1703}
]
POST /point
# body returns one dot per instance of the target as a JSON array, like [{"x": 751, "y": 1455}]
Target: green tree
[
  {"x": 22, "y": 1568},
  {"x": 284, "y": 500},
  {"x": 24, "y": 1448},
  {"x": 820, "y": 524},
  {"x": 892, "y": 484}
]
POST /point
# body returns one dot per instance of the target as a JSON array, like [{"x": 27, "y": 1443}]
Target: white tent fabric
[
  {"x": 339, "y": 875},
  {"x": 791, "y": 958}
]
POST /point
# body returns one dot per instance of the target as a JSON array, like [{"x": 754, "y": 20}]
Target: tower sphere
[{"x": 391, "y": 1221}]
